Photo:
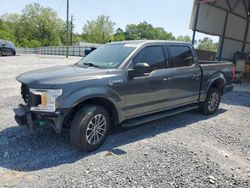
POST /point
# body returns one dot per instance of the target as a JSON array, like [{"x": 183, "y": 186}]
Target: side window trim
[
  {"x": 169, "y": 56},
  {"x": 172, "y": 59},
  {"x": 163, "y": 50}
]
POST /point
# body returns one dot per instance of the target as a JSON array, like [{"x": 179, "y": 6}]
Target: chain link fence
[{"x": 56, "y": 50}]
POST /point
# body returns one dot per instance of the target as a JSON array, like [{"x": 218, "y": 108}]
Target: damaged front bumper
[{"x": 32, "y": 120}]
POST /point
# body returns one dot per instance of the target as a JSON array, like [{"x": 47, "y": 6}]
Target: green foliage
[
  {"x": 43, "y": 24},
  {"x": 119, "y": 35},
  {"x": 30, "y": 43},
  {"x": 9, "y": 24},
  {"x": 161, "y": 34},
  {"x": 99, "y": 30},
  {"x": 184, "y": 38},
  {"x": 6, "y": 35},
  {"x": 78, "y": 37},
  {"x": 35, "y": 26},
  {"x": 145, "y": 30},
  {"x": 207, "y": 44},
  {"x": 132, "y": 32}
]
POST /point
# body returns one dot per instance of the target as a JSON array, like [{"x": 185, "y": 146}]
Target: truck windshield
[{"x": 108, "y": 56}]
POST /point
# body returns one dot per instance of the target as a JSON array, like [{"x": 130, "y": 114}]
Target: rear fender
[{"x": 213, "y": 79}]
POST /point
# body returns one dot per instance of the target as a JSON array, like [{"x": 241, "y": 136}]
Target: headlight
[{"x": 48, "y": 99}]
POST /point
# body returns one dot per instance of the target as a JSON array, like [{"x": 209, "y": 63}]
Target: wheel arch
[
  {"x": 1, "y": 50},
  {"x": 109, "y": 105},
  {"x": 218, "y": 83}
]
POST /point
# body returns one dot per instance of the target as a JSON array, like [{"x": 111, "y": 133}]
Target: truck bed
[{"x": 212, "y": 70}]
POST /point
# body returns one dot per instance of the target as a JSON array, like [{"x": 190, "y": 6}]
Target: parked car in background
[{"x": 7, "y": 48}]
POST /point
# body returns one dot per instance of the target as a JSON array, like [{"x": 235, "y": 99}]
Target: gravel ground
[{"x": 185, "y": 150}]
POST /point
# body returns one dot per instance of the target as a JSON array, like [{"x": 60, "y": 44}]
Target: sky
[{"x": 173, "y": 16}]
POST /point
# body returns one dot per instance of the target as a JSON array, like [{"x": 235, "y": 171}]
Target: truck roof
[{"x": 140, "y": 42}]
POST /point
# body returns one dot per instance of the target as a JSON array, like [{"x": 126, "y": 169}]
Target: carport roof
[{"x": 228, "y": 19}]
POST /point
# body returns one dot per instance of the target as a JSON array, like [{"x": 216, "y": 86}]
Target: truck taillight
[{"x": 233, "y": 73}]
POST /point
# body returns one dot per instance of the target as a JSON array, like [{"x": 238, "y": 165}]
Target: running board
[{"x": 147, "y": 118}]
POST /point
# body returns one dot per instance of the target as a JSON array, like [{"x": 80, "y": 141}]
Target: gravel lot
[{"x": 186, "y": 150}]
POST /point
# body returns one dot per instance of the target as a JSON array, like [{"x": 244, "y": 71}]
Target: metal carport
[{"x": 228, "y": 19}]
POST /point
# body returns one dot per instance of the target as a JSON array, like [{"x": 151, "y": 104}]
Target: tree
[
  {"x": 132, "y": 33},
  {"x": 119, "y": 35},
  {"x": 29, "y": 43},
  {"x": 10, "y": 24},
  {"x": 42, "y": 23},
  {"x": 207, "y": 44},
  {"x": 184, "y": 38},
  {"x": 35, "y": 26},
  {"x": 6, "y": 35},
  {"x": 161, "y": 34},
  {"x": 145, "y": 30},
  {"x": 99, "y": 30}
]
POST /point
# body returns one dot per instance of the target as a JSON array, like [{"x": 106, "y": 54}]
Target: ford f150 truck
[{"x": 125, "y": 83}]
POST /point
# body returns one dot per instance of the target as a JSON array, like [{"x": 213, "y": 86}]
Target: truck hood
[{"x": 61, "y": 74}]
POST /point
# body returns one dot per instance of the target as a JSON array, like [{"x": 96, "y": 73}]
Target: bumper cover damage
[{"x": 33, "y": 120}]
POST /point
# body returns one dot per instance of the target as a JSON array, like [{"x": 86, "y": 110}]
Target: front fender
[
  {"x": 81, "y": 95},
  {"x": 75, "y": 98}
]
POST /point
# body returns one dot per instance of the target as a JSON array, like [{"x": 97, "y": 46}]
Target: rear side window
[
  {"x": 153, "y": 55},
  {"x": 181, "y": 56},
  {"x": 11, "y": 44},
  {"x": 8, "y": 44},
  {"x": 2, "y": 42}
]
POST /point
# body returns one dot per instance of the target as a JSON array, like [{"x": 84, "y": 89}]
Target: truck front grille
[
  {"x": 25, "y": 93},
  {"x": 30, "y": 98}
]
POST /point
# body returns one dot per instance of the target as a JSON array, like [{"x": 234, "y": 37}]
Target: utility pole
[
  {"x": 71, "y": 32},
  {"x": 67, "y": 50}
]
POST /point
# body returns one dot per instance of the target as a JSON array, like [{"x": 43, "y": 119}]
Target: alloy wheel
[
  {"x": 96, "y": 129},
  {"x": 213, "y": 102}
]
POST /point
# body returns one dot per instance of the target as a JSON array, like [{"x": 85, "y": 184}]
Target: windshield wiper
[{"x": 92, "y": 65}]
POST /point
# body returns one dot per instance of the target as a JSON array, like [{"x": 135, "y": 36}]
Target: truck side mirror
[{"x": 140, "y": 70}]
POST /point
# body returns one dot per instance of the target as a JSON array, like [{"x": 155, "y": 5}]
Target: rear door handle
[{"x": 195, "y": 76}]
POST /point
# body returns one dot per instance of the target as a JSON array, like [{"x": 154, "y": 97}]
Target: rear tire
[
  {"x": 14, "y": 53},
  {"x": 90, "y": 127},
  {"x": 212, "y": 102},
  {"x": 1, "y": 53}
]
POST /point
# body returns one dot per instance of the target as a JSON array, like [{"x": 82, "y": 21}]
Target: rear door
[
  {"x": 185, "y": 76},
  {"x": 149, "y": 93}
]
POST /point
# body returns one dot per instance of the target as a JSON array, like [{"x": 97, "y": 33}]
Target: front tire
[
  {"x": 90, "y": 127},
  {"x": 212, "y": 102},
  {"x": 1, "y": 52}
]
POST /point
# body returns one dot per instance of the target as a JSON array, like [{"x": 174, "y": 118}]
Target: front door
[{"x": 148, "y": 93}]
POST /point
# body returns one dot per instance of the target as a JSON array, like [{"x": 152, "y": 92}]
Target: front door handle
[{"x": 167, "y": 79}]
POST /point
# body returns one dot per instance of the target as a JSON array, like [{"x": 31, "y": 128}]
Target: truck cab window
[
  {"x": 152, "y": 55},
  {"x": 181, "y": 56}
]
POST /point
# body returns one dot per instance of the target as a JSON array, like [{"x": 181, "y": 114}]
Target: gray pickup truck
[{"x": 126, "y": 83}]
